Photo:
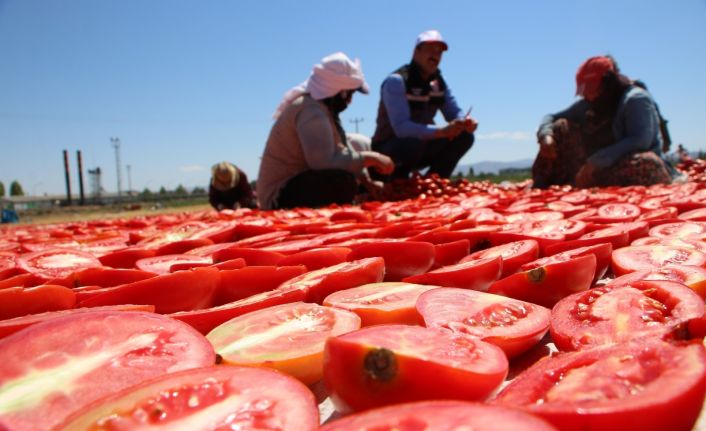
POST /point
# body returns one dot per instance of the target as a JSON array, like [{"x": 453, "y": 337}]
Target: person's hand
[
  {"x": 451, "y": 130},
  {"x": 375, "y": 189},
  {"x": 378, "y": 161},
  {"x": 586, "y": 175},
  {"x": 469, "y": 124},
  {"x": 547, "y": 147}
]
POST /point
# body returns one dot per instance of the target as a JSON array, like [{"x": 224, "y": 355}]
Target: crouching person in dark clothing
[{"x": 229, "y": 188}]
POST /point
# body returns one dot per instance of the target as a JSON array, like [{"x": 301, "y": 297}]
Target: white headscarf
[{"x": 335, "y": 73}]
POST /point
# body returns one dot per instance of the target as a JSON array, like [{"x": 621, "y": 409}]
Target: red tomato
[
  {"x": 126, "y": 257},
  {"x": 163, "y": 264},
  {"x": 693, "y": 277},
  {"x": 252, "y": 256},
  {"x": 379, "y": 303},
  {"x": 451, "y": 253},
  {"x": 514, "y": 326},
  {"x": 652, "y": 240},
  {"x": 622, "y": 312},
  {"x": 205, "y": 320},
  {"x": 473, "y": 274},
  {"x": 634, "y": 230},
  {"x": 698, "y": 214},
  {"x": 56, "y": 367},
  {"x": 56, "y": 262},
  {"x": 208, "y": 250},
  {"x": 648, "y": 385},
  {"x": 169, "y": 293},
  {"x": 440, "y": 416},
  {"x": 240, "y": 283},
  {"x": 649, "y": 257},
  {"x": 317, "y": 258},
  {"x": 10, "y": 326},
  {"x": 390, "y": 364},
  {"x": 616, "y": 213},
  {"x": 8, "y": 264},
  {"x": 603, "y": 253},
  {"x": 546, "y": 285},
  {"x": 210, "y": 398},
  {"x": 104, "y": 277},
  {"x": 23, "y": 280},
  {"x": 289, "y": 338},
  {"x": 402, "y": 259},
  {"x": 513, "y": 254},
  {"x": 20, "y": 301},
  {"x": 320, "y": 283},
  {"x": 683, "y": 230}
]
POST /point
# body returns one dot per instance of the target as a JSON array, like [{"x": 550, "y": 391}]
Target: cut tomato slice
[
  {"x": 253, "y": 256},
  {"x": 514, "y": 254},
  {"x": 163, "y": 264},
  {"x": 650, "y": 257},
  {"x": 694, "y": 277},
  {"x": 402, "y": 259},
  {"x": 289, "y": 338},
  {"x": 473, "y": 274},
  {"x": 20, "y": 301},
  {"x": 56, "y": 262},
  {"x": 317, "y": 258},
  {"x": 240, "y": 283}
]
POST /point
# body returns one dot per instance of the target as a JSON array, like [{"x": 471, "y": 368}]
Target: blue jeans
[{"x": 440, "y": 155}]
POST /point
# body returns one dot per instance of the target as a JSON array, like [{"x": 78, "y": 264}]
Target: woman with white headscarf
[{"x": 308, "y": 160}]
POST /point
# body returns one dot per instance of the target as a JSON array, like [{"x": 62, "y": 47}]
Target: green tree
[
  {"x": 2, "y": 189},
  {"x": 162, "y": 191},
  {"x": 146, "y": 192},
  {"x": 16, "y": 189},
  {"x": 198, "y": 191},
  {"x": 180, "y": 191}
]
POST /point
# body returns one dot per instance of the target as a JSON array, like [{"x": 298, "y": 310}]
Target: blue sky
[{"x": 185, "y": 84}]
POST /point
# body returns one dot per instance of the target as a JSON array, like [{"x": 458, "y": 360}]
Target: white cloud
[
  {"x": 508, "y": 136},
  {"x": 192, "y": 168}
]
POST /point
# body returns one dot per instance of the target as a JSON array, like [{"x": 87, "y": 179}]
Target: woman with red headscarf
[{"x": 610, "y": 136}]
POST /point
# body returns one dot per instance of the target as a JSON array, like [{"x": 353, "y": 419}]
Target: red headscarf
[{"x": 590, "y": 76}]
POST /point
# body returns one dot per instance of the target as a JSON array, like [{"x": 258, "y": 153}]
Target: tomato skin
[
  {"x": 673, "y": 380},
  {"x": 317, "y": 258},
  {"x": 616, "y": 313},
  {"x": 104, "y": 277},
  {"x": 289, "y": 338},
  {"x": 241, "y": 397},
  {"x": 127, "y": 257},
  {"x": 56, "y": 262},
  {"x": 473, "y": 274},
  {"x": 390, "y": 364},
  {"x": 440, "y": 416},
  {"x": 514, "y": 255},
  {"x": 602, "y": 252},
  {"x": 51, "y": 371},
  {"x": 162, "y": 264},
  {"x": 546, "y": 285},
  {"x": 241, "y": 283},
  {"x": 450, "y": 253},
  {"x": 402, "y": 259},
  {"x": 253, "y": 256},
  {"x": 694, "y": 277},
  {"x": 20, "y": 301},
  {"x": 636, "y": 258}
]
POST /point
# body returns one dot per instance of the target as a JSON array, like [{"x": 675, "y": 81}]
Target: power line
[{"x": 356, "y": 121}]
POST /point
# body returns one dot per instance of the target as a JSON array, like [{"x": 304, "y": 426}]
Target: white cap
[{"x": 431, "y": 36}]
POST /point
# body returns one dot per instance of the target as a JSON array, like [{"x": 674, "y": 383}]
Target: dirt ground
[{"x": 72, "y": 214}]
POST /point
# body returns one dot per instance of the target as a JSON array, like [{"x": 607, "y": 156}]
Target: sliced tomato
[
  {"x": 317, "y": 258},
  {"x": 56, "y": 262},
  {"x": 622, "y": 312},
  {"x": 440, "y": 416},
  {"x": 616, "y": 213},
  {"x": 20, "y": 301},
  {"x": 57, "y": 367},
  {"x": 10, "y": 326},
  {"x": 402, "y": 259},
  {"x": 380, "y": 303},
  {"x": 163, "y": 264},
  {"x": 546, "y": 285},
  {"x": 389, "y": 364},
  {"x": 240, "y": 283},
  {"x": 103, "y": 276},
  {"x": 602, "y": 251},
  {"x": 8, "y": 264},
  {"x": 649, "y": 257},
  {"x": 322, "y": 282},
  {"x": 24, "y": 280},
  {"x": 210, "y": 398},
  {"x": 252, "y": 256},
  {"x": 627, "y": 386},
  {"x": 450, "y": 253},
  {"x": 126, "y": 257},
  {"x": 169, "y": 293},
  {"x": 514, "y": 254},
  {"x": 682, "y": 230},
  {"x": 289, "y": 338},
  {"x": 473, "y": 274},
  {"x": 514, "y": 326}
]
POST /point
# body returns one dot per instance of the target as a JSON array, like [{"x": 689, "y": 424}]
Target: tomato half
[
  {"x": 8, "y": 264},
  {"x": 380, "y": 303},
  {"x": 473, "y": 274},
  {"x": 253, "y": 256},
  {"x": 389, "y": 364},
  {"x": 648, "y": 385},
  {"x": 103, "y": 276},
  {"x": 514, "y": 254},
  {"x": 440, "y": 416},
  {"x": 683, "y": 230},
  {"x": 163, "y": 264},
  {"x": 126, "y": 257},
  {"x": 289, "y": 338},
  {"x": 514, "y": 326},
  {"x": 622, "y": 312},
  {"x": 211, "y": 398},
  {"x": 317, "y": 258},
  {"x": 240, "y": 283},
  {"x": 649, "y": 257},
  {"x": 694, "y": 277},
  {"x": 20, "y": 301},
  {"x": 56, "y": 262},
  {"x": 602, "y": 252},
  {"x": 56, "y": 367},
  {"x": 402, "y": 259}
]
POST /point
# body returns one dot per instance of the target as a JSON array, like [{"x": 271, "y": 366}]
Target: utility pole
[
  {"x": 116, "y": 144},
  {"x": 356, "y": 121},
  {"x": 129, "y": 179}
]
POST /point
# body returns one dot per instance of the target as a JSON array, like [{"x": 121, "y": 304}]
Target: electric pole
[
  {"x": 129, "y": 179},
  {"x": 116, "y": 144},
  {"x": 356, "y": 121}
]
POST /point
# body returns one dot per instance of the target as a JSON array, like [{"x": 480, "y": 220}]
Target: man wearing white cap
[
  {"x": 411, "y": 97},
  {"x": 308, "y": 160}
]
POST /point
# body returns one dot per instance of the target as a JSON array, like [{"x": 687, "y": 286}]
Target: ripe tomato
[
  {"x": 210, "y": 398},
  {"x": 10, "y": 326},
  {"x": 649, "y": 257},
  {"x": 402, "y": 259},
  {"x": 390, "y": 364},
  {"x": 8, "y": 264},
  {"x": 240, "y": 283},
  {"x": 628, "y": 386},
  {"x": 622, "y": 312},
  {"x": 546, "y": 285},
  {"x": 450, "y": 253},
  {"x": 126, "y": 257},
  {"x": 683, "y": 230},
  {"x": 693, "y": 277},
  {"x": 20, "y": 301},
  {"x": 514, "y": 326},
  {"x": 514, "y": 254},
  {"x": 104, "y": 277},
  {"x": 163, "y": 264},
  {"x": 440, "y": 416},
  {"x": 602, "y": 252},
  {"x": 473, "y": 274},
  {"x": 317, "y": 258},
  {"x": 56, "y": 262},
  {"x": 379, "y": 303},
  {"x": 253, "y": 256},
  {"x": 289, "y": 338},
  {"x": 616, "y": 213},
  {"x": 57, "y": 367},
  {"x": 320, "y": 283}
]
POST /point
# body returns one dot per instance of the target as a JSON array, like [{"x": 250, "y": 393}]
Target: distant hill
[{"x": 490, "y": 167}]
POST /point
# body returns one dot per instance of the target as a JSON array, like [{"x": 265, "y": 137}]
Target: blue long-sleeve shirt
[
  {"x": 394, "y": 98},
  {"x": 635, "y": 126}
]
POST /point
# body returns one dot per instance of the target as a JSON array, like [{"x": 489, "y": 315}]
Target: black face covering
[{"x": 337, "y": 103}]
